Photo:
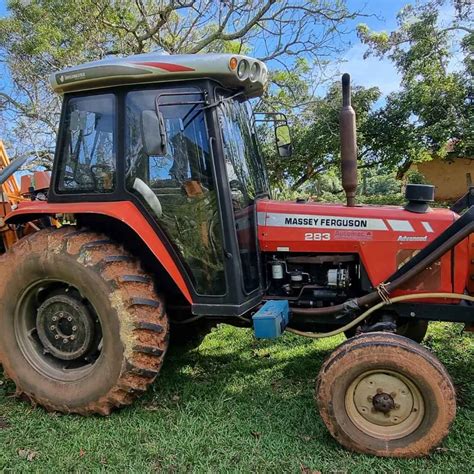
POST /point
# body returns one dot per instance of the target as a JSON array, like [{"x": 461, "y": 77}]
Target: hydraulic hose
[
  {"x": 437, "y": 248},
  {"x": 365, "y": 314}
]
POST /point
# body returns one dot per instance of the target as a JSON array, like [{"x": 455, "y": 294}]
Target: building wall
[{"x": 451, "y": 178}]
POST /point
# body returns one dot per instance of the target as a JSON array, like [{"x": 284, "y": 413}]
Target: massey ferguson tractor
[{"x": 159, "y": 222}]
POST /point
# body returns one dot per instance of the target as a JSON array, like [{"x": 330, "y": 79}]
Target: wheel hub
[
  {"x": 65, "y": 327},
  {"x": 384, "y": 404}
]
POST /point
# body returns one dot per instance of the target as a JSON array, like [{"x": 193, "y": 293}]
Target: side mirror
[
  {"x": 283, "y": 140},
  {"x": 154, "y": 133}
]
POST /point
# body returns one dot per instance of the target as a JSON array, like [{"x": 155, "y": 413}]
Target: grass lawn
[{"x": 233, "y": 405}]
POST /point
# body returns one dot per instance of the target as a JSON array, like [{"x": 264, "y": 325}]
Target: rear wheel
[
  {"x": 81, "y": 329},
  {"x": 385, "y": 395}
]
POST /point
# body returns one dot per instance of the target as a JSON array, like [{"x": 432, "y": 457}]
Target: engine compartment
[{"x": 311, "y": 280}]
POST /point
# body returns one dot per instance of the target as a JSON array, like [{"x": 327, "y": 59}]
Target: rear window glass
[{"x": 88, "y": 155}]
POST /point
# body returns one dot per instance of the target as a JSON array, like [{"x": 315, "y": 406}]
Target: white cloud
[{"x": 370, "y": 72}]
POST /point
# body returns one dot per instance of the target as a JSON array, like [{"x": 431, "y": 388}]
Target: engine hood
[{"x": 290, "y": 226}]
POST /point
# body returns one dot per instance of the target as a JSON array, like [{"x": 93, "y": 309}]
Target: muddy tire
[
  {"x": 383, "y": 394},
  {"x": 82, "y": 329}
]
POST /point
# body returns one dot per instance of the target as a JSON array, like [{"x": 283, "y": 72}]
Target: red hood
[
  {"x": 379, "y": 234},
  {"x": 363, "y": 223}
]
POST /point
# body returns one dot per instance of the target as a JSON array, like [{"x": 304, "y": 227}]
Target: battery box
[{"x": 271, "y": 319}]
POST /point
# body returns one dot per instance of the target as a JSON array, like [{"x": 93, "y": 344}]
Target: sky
[
  {"x": 365, "y": 72},
  {"x": 373, "y": 71},
  {"x": 362, "y": 71}
]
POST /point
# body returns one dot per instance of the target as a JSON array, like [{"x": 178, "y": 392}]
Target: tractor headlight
[
  {"x": 243, "y": 69},
  {"x": 254, "y": 72}
]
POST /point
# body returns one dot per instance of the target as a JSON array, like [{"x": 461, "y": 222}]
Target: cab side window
[{"x": 88, "y": 155}]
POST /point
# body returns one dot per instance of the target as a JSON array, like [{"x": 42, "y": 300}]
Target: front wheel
[
  {"x": 81, "y": 327},
  {"x": 385, "y": 395}
]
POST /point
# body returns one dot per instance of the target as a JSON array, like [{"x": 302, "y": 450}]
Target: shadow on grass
[{"x": 233, "y": 401}]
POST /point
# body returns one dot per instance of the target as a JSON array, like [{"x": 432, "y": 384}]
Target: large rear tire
[
  {"x": 384, "y": 395},
  {"x": 82, "y": 329}
]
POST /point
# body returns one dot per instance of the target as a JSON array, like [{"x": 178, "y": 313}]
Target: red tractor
[{"x": 172, "y": 229}]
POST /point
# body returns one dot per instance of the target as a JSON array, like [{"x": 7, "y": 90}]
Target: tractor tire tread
[
  {"x": 382, "y": 342},
  {"x": 139, "y": 307}
]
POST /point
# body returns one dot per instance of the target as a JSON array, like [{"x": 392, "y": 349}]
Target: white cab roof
[{"x": 250, "y": 76}]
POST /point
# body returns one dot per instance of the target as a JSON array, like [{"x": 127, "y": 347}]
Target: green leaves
[
  {"x": 42, "y": 36},
  {"x": 431, "y": 113}
]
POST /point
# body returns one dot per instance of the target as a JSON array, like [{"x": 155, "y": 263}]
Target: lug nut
[
  {"x": 65, "y": 341},
  {"x": 52, "y": 328},
  {"x": 69, "y": 318},
  {"x": 57, "y": 336},
  {"x": 61, "y": 314},
  {"x": 369, "y": 398},
  {"x": 397, "y": 406},
  {"x": 393, "y": 394},
  {"x": 73, "y": 337},
  {"x": 74, "y": 328},
  {"x": 379, "y": 390},
  {"x": 54, "y": 318}
]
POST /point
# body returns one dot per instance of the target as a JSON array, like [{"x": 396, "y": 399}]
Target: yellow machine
[{"x": 10, "y": 195}]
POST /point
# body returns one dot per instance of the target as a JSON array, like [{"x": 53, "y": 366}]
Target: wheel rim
[
  {"x": 384, "y": 404},
  {"x": 58, "y": 330}
]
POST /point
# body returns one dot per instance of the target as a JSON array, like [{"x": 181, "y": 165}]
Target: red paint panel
[
  {"x": 380, "y": 235},
  {"x": 123, "y": 211},
  {"x": 166, "y": 66}
]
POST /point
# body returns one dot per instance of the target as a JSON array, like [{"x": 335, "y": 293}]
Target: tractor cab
[{"x": 174, "y": 135}]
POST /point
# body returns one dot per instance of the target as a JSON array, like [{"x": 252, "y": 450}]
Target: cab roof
[{"x": 231, "y": 70}]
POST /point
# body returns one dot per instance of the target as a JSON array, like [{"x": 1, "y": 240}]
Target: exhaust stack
[{"x": 347, "y": 123}]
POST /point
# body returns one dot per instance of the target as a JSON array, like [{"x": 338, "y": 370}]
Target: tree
[
  {"x": 316, "y": 137},
  {"x": 432, "y": 113},
  {"x": 43, "y": 36}
]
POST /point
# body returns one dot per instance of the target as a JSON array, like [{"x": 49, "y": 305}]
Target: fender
[{"x": 123, "y": 211}]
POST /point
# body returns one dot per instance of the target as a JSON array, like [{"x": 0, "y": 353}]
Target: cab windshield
[
  {"x": 245, "y": 167},
  {"x": 247, "y": 180}
]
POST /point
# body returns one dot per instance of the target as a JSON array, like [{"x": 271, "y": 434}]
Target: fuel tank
[{"x": 384, "y": 237}]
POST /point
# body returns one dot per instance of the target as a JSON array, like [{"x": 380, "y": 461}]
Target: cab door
[{"x": 178, "y": 187}]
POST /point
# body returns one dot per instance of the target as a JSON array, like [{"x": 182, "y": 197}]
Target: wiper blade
[{"x": 224, "y": 99}]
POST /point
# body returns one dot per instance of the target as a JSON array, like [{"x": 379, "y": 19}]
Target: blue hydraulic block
[{"x": 271, "y": 319}]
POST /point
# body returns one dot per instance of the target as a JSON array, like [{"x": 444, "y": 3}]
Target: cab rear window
[{"x": 88, "y": 154}]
